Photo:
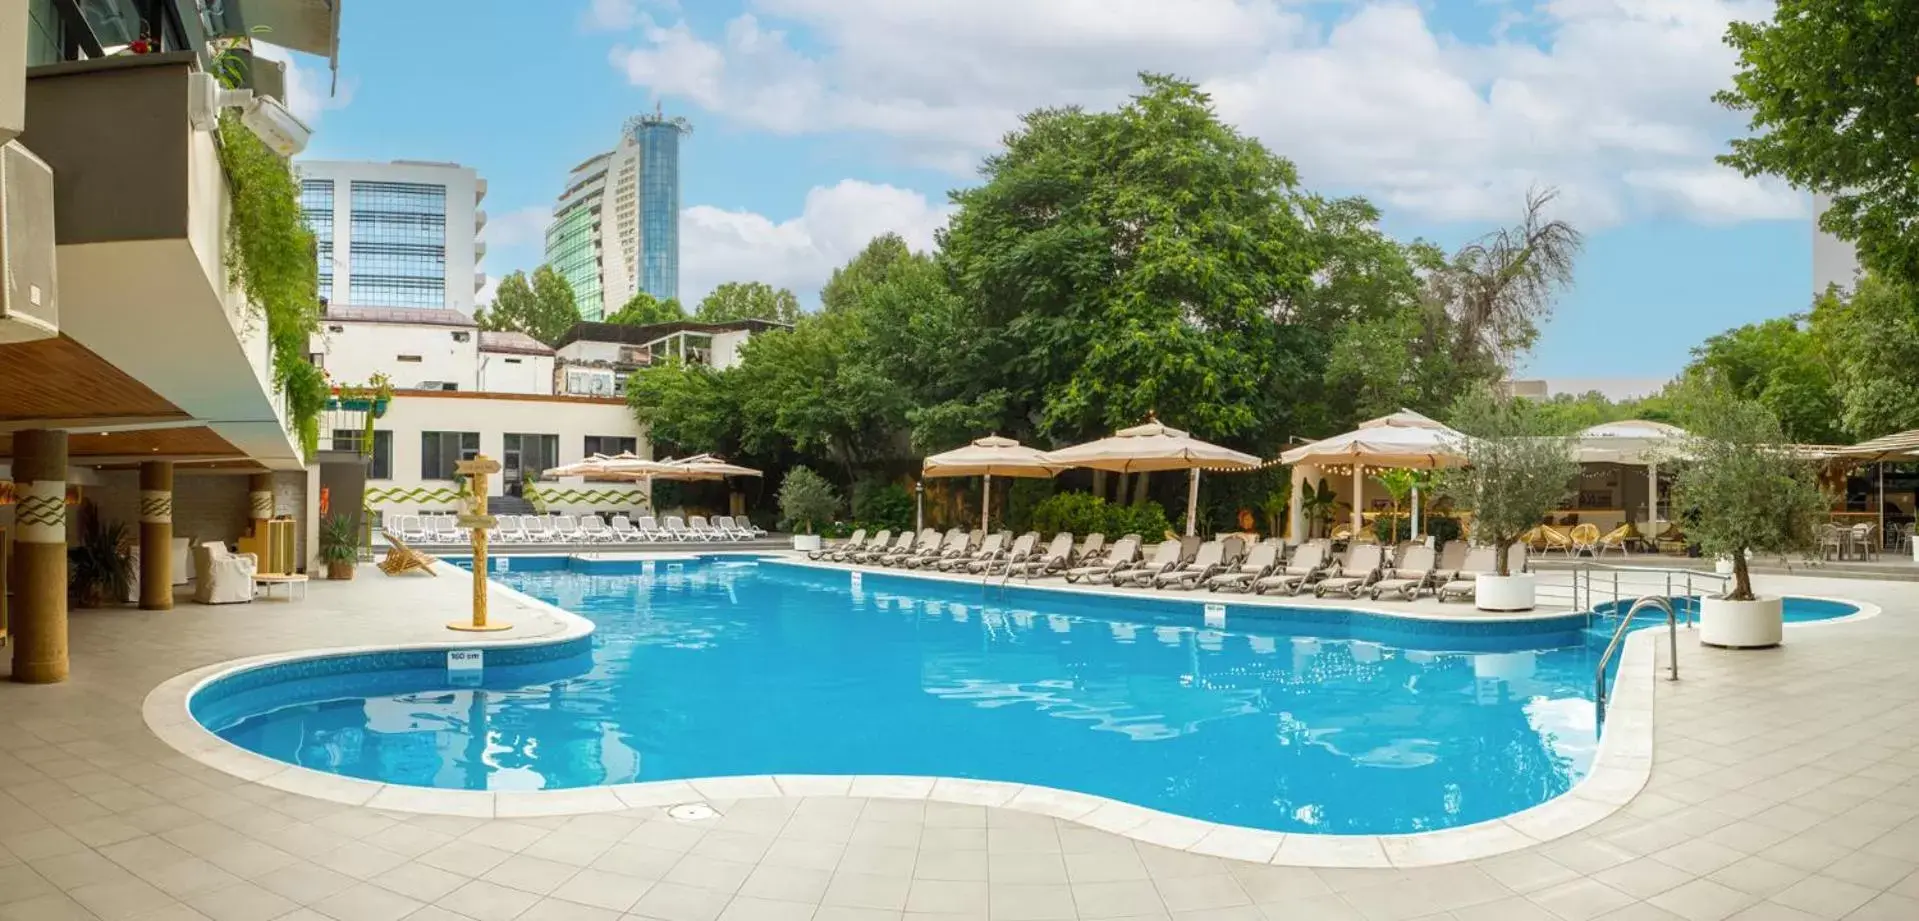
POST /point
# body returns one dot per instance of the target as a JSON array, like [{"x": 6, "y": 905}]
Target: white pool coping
[{"x": 1620, "y": 769}]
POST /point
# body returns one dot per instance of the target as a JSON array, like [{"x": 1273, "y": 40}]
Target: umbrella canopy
[
  {"x": 1403, "y": 439},
  {"x": 990, "y": 457},
  {"x": 1151, "y": 447},
  {"x": 625, "y": 464},
  {"x": 704, "y": 466},
  {"x": 1156, "y": 446},
  {"x": 1633, "y": 441},
  {"x": 1899, "y": 446}
]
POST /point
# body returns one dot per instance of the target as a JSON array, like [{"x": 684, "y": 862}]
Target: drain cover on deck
[{"x": 692, "y": 812}]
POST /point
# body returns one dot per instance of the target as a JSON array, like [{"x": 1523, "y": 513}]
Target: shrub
[
  {"x": 1075, "y": 512},
  {"x": 806, "y": 499},
  {"x": 1023, "y": 499},
  {"x": 1443, "y": 528},
  {"x": 1148, "y": 521},
  {"x": 1514, "y": 473},
  {"x": 882, "y": 505}
]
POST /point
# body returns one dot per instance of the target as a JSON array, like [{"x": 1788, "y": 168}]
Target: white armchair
[{"x": 221, "y": 577}]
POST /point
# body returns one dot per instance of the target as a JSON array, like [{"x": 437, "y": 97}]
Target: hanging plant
[{"x": 271, "y": 257}]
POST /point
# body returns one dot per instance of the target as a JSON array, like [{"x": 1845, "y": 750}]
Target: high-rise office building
[
  {"x": 1834, "y": 261},
  {"x": 616, "y": 227},
  {"x": 399, "y": 234}
]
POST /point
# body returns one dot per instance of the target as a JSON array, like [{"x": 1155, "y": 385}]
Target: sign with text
[
  {"x": 474, "y": 522},
  {"x": 477, "y": 465},
  {"x": 1215, "y": 614}
]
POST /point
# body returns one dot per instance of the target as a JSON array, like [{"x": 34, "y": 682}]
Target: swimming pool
[{"x": 1289, "y": 719}]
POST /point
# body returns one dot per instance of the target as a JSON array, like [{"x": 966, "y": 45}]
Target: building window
[
  {"x": 590, "y": 383},
  {"x": 398, "y": 246},
  {"x": 441, "y": 453},
  {"x": 410, "y": 359},
  {"x": 316, "y": 206},
  {"x": 462, "y": 336},
  {"x": 382, "y": 466},
  {"x": 611, "y": 444},
  {"x": 524, "y": 454}
]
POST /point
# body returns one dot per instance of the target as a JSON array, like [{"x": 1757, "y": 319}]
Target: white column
[
  {"x": 985, "y": 500},
  {"x": 1415, "y": 533},
  {"x": 1359, "y": 488},
  {"x": 1652, "y": 501},
  {"x": 1296, "y": 514},
  {"x": 1192, "y": 502}
]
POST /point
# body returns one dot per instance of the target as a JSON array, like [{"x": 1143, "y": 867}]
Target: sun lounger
[
  {"x": 1413, "y": 575},
  {"x": 1465, "y": 582},
  {"x": 1022, "y": 549},
  {"x": 445, "y": 529},
  {"x": 877, "y": 543},
  {"x": 962, "y": 550},
  {"x": 401, "y": 558},
  {"x": 874, "y": 554},
  {"x": 698, "y": 526},
  {"x": 1206, "y": 563},
  {"x": 748, "y": 528},
  {"x": 926, "y": 551},
  {"x": 1166, "y": 557},
  {"x": 1051, "y": 561},
  {"x": 593, "y": 528},
  {"x": 623, "y": 529},
  {"x": 675, "y": 528},
  {"x": 732, "y": 527},
  {"x": 536, "y": 527},
  {"x": 1123, "y": 555},
  {"x": 566, "y": 529},
  {"x": 1259, "y": 562},
  {"x": 409, "y": 527},
  {"x": 649, "y": 528},
  {"x": 851, "y": 543},
  {"x": 1090, "y": 549},
  {"x": 1307, "y": 565},
  {"x": 926, "y": 540},
  {"x": 1363, "y": 564},
  {"x": 990, "y": 547},
  {"x": 511, "y": 530}
]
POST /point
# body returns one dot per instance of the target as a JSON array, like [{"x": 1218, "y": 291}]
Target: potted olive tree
[
  {"x": 806, "y": 500},
  {"x": 1742, "y": 493},
  {"x": 1514, "y": 474}
]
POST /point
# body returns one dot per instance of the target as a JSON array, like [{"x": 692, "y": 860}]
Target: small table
[{"x": 266, "y": 583}]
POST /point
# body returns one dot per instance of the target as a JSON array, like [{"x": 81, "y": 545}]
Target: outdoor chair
[
  {"x": 1413, "y": 574},
  {"x": 1021, "y": 550},
  {"x": 566, "y": 529},
  {"x": 1585, "y": 539},
  {"x": 926, "y": 540},
  {"x": 1051, "y": 561},
  {"x": 594, "y": 529},
  {"x": 411, "y": 527},
  {"x": 879, "y": 549},
  {"x": 676, "y": 529},
  {"x": 511, "y": 529},
  {"x": 1452, "y": 556},
  {"x": 1090, "y": 549},
  {"x": 1362, "y": 569},
  {"x": 222, "y": 577},
  {"x": 1121, "y": 555},
  {"x": 851, "y": 543},
  {"x": 1465, "y": 583},
  {"x": 537, "y": 528},
  {"x": 1166, "y": 557},
  {"x": 624, "y": 531},
  {"x": 1614, "y": 539},
  {"x": 401, "y": 558},
  {"x": 990, "y": 546},
  {"x": 1307, "y": 564},
  {"x": 1207, "y": 562},
  {"x": 649, "y": 528},
  {"x": 1258, "y": 563},
  {"x": 952, "y": 543},
  {"x": 697, "y": 526}
]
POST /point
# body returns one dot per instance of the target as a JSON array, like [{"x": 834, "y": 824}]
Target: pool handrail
[{"x": 1619, "y": 638}]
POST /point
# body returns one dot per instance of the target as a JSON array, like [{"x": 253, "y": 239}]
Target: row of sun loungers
[
  {"x": 1223, "y": 565},
  {"x": 590, "y": 529}
]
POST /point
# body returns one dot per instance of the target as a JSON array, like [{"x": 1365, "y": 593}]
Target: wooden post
[
  {"x": 477, "y": 521},
  {"x": 156, "y": 536},
  {"x": 39, "y": 617}
]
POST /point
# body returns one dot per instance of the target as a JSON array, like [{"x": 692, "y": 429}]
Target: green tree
[
  {"x": 1514, "y": 473},
  {"x": 807, "y": 499},
  {"x": 848, "y": 285},
  {"x": 543, "y": 309},
  {"x": 1870, "y": 341},
  {"x": 1829, "y": 87},
  {"x": 1739, "y": 492},
  {"x": 687, "y": 408},
  {"x": 1779, "y": 364},
  {"x": 748, "y": 301},
  {"x": 1502, "y": 285},
  {"x": 643, "y": 309}
]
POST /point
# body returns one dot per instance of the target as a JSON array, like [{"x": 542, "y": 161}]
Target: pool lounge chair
[
  {"x": 878, "y": 549},
  {"x": 991, "y": 546},
  {"x": 536, "y": 528},
  {"x": 593, "y": 528},
  {"x": 1452, "y": 555},
  {"x": 1166, "y": 557},
  {"x": 732, "y": 527},
  {"x": 957, "y": 543},
  {"x": 675, "y": 528},
  {"x": 1051, "y": 561},
  {"x": 748, "y": 528},
  {"x": 1413, "y": 575},
  {"x": 1259, "y": 562},
  {"x": 445, "y": 529},
  {"x": 1466, "y": 581},
  {"x": 1307, "y": 565},
  {"x": 878, "y": 542},
  {"x": 649, "y": 528},
  {"x": 1362, "y": 569},
  {"x": 1122, "y": 555},
  {"x": 1207, "y": 562},
  {"x": 927, "y": 540},
  {"x": 921, "y": 555},
  {"x": 400, "y": 558},
  {"x": 1021, "y": 550},
  {"x": 409, "y": 527},
  {"x": 698, "y": 526},
  {"x": 624, "y": 531},
  {"x": 1089, "y": 549},
  {"x": 566, "y": 529},
  {"x": 511, "y": 530},
  {"x": 851, "y": 543}
]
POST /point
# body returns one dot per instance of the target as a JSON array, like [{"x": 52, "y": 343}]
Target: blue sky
[{"x": 819, "y": 123}]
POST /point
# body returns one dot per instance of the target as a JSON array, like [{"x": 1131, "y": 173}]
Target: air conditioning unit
[{"x": 29, "y": 307}]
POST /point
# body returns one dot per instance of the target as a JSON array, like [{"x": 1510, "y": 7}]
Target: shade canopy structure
[
  {"x": 1154, "y": 446},
  {"x": 704, "y": 466},
  {"x": 990, "y": 457},
  {"x": 626, "y": 464},
  {"x": 1638, "y": 442},
  {"x": 1894, "y": 447},
  {"x": 1404, "y": 439}
]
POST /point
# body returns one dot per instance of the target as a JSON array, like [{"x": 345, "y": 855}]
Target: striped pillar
[
  {"x": 156, "y": 536},
  {"x": 39, "y": 616}
]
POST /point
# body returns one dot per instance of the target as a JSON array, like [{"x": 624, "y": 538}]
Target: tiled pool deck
[{"x": 1785, "y": 784}]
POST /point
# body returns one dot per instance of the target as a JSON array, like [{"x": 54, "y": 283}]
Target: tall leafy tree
[
  {"x": 750, "y": 300},
  {"x": 1869, "y": 340},
  {"x": 1777, "y": 363},
  {"x": 1502, "y": 285},
  {"x": 1829, "y": 86},
  {"x": 543, "y": 309},
  {"x": 643, "y": 309}
]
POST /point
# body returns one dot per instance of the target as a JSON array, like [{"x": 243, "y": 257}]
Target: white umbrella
[
  {"x": 1634, "y": 441},
  {"x": 989, "y": 457},
  {"x": 625, "y": 464},
  {"x": 1156, "y": 446},
  {"x": 1404, "y": 439},
  {"x": 706, "y": 465}
]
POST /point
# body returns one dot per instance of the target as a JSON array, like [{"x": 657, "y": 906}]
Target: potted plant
[
  {"x": 339, "y": 545},
  {"x": 1317, "y": 503},
  {"x": 1742, "y": 495},
  {"x": 99, "y": 566},
  {"x": 805, "y": 499},
  {"x": 1514, "y": 474}
]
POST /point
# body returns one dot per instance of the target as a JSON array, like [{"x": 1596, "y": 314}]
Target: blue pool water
[{"x": 1299, "y": 720}]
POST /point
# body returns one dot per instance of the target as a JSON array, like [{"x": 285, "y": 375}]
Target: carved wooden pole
[{"x": 477, "y": 521}]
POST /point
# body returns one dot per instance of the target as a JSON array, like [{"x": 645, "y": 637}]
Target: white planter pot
[
  {"x": 1722, "y": 566},
  {"x": 1741, "y": 624},
  {"x": 1915, "y": 551},
  {"x": 1503, "y": 593},
  {"x": 806, "y": 542}
]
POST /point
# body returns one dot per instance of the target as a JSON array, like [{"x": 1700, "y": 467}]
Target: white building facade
[
  {"x": 593, "y": 240},
  {"x": 1834, "y": 261},
  {"x": 403, "y": 234},
  {"x": 594, "y": 359}
]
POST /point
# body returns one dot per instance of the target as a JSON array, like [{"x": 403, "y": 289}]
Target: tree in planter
[
  {"x": 340, "y": 545},
  {"x": 1741, "y": 492},
  {"x": 99, "y": 564},
  {"x": 806, "y": 498},
  {"x": 1399, "y": 485},
  {"x": 1514, "y": 474}
]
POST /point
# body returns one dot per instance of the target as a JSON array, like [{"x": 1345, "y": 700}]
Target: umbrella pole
[
  {"x": 1359, "y": 489},
  {"x": 985, "y": 501},
  {"x": 1192, "y": 502},
  {"x": 1415, "y": 531}
]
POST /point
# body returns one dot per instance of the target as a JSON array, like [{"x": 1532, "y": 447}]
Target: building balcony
[{"x": 146, "y": 301}]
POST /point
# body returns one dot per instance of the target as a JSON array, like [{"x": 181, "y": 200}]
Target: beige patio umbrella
[
  {"x": 1404, "y": 439},
  {"x": 705, "y": 466},
  {"x": 1154, "y": 446},
  {"x": 989, "y": 457}
]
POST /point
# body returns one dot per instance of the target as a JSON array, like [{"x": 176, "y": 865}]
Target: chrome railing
[
  {"x": 1619, "y": 639},
  {"x": 1594, "y": 584}
]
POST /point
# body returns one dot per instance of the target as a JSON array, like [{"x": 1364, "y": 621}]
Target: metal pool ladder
[{"x": 1619, "y": 638}]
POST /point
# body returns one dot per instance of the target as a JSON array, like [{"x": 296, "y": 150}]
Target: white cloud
[
  {"x": 611, "y": 14},
  {"x": 515, "y": 240},
  {"x": 718, "y": 246},
  {"x": 1607, "y": 99}
]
